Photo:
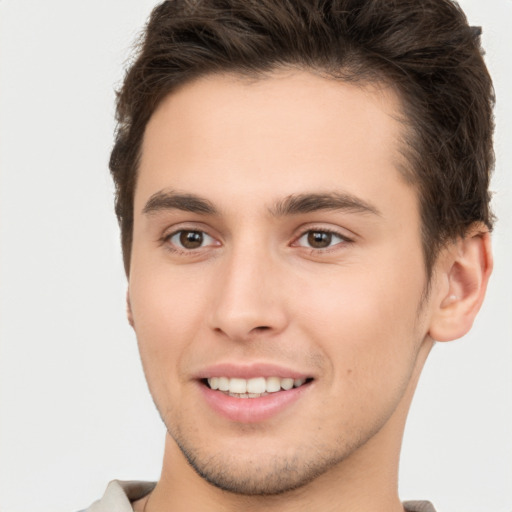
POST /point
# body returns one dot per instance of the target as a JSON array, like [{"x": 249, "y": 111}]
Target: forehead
[{"x": 288, "y": 131}]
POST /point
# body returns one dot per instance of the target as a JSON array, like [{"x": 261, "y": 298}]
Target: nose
[{"x": 249, "y": 300}]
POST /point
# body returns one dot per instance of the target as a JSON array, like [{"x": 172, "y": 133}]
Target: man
[{"x": 302, "y": 190}]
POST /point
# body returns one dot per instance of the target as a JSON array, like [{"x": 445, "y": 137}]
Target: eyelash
[
  {"x": 342, "y": 239},
  {"x": 175, "y": 248}
]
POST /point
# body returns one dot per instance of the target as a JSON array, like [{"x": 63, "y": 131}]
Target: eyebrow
[
  {"x": 295, "y": 204},
  {"x": 306, "y": 203},
  {"x": 171, "y": 200}
]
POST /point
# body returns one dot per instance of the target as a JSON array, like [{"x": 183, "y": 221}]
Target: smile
[
  {"x": 253, "y": 388},
  {"x": 254, "y": 399}
]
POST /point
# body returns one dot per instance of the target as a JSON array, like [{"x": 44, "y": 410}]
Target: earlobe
[
  {"x": 466, "y": 270},
  {"x": 129, "y": 313}
]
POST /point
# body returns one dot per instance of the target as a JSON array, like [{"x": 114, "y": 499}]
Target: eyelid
[
  {"x": 165, "y": 239},
  {"x": 345, "y": 239},
  {"x": 205, "y": 236}
]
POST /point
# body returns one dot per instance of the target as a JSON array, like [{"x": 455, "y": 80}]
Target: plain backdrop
[{"x": 74, "y": 408}]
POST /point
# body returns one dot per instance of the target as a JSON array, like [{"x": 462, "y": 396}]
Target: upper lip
[{"x": 249, "y": 371}]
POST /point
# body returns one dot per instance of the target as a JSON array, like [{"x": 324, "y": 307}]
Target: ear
[
  {"x": 129, "y": 313},
  {"x": 463, "y": 274}
]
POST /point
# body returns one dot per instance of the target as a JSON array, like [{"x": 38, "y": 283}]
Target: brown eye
[
  {"x": 319, "y": 239},
  {"x": 191, "y": 239},
  {"x": 188, "y": 239}
]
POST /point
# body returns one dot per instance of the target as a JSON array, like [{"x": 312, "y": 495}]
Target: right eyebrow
[{"x": 171, "y": 200}]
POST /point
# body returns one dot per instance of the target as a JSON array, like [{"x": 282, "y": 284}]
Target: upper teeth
[{"x": 257, "y": 385}]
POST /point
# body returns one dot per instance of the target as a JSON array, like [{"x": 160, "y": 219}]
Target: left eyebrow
[{"x": 307, "y": 203}]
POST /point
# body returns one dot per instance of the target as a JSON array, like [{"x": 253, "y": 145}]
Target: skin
[{"x": 351, "y": 315}]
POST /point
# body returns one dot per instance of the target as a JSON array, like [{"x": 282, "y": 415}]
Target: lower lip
[{"x": 251, "y": 410}]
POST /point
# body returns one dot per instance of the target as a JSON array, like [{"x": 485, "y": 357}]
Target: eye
[
  {"x": 190, "y": 239},
  {"x": 318, "y": 239}
]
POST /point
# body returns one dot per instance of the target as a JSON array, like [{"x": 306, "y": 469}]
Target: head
[
  {"x": 302, "y": 191},
  {"x": 424, "y": 50}
]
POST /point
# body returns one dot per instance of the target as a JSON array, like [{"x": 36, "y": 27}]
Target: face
[{"x": 277, "y": 275}]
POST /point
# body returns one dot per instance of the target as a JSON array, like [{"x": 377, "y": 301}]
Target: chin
[
  {"x": 262, "y": 472},
  {"x": 254, "y": 478}
]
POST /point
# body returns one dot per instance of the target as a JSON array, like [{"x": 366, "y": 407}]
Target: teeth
[
  {"x": 237, "y": 385},
  {"x": 287, "y": 384},
  {"x": 223, "y": 384},
  {"x": 257, "y": 385},
  {"x": 253, "y": 388},
  {"x": 273, "y": 384}
]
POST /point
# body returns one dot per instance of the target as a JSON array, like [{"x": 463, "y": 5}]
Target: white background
[{"x": 74, "y": 408}]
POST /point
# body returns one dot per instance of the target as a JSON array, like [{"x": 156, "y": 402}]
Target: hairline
[{"x": 368, "y": 78}]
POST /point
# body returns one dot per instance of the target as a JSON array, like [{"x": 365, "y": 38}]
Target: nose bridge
[{"x": 248, "y": 297}]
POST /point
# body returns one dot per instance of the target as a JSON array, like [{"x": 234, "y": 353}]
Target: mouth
[
  {"x": 255, "y": 387},
  {"x": 253, "y": 393}
]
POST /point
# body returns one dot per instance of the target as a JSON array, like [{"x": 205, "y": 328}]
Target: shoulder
[
  {"x": 418, "y": 506},
  {"x": 119, "y": 495}
]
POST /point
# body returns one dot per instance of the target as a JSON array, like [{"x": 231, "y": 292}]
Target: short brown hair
[{"x": 424, "y": 48}]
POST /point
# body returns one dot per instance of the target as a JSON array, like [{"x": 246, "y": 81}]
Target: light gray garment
[{"x": 119, "y": 496}]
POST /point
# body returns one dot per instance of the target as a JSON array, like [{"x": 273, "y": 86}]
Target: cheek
[
  {"x": 166, "y": 317},
  {"x": 366, "y": 332},
  {"x": 164, "y": 299},
  {"x": 365, "y": 322}
]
